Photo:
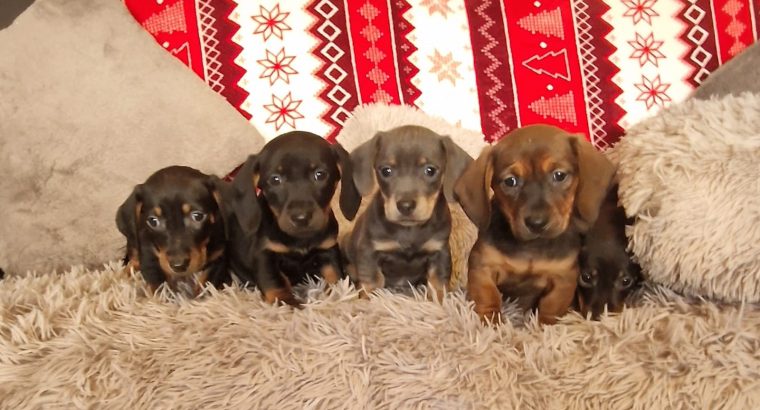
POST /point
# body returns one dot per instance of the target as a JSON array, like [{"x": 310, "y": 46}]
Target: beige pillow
[
  {"x": 691, "y": 177},
  {"x": 89, "y": 107}
]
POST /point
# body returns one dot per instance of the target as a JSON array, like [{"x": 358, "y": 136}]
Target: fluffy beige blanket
[{"x": 92, "y": 340}]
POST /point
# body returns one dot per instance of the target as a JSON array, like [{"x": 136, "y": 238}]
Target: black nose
[
  {"x": 536, "y": 223},
  {"x": 406, "y": 207},
  {"x": 179, "y": 264},
  {"x": 300, "y": 218}
]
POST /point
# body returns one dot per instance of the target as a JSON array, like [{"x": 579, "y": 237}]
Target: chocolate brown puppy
[{"x": 531, "y": 196}]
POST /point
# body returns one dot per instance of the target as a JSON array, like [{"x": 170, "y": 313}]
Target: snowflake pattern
[
  {"x": 283, "y": 111},
  {"x": 646, "y": 49},
  {"x": 271, "y": 22},
  {"x": 640, "y": 10},
  {"x": 653, "y": 92},
  {"x": 445, "y": 67},
  {"x": 277, "y": 66},
  {"x": 437, "y": 6}
]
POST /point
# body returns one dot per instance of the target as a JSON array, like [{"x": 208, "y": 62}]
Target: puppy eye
[
  {"x": 431, "y": 171},
  {"x": 511, "y": 181},
  {"x": 320, "y": 175},
  {"x": 626, "y": 282},
  {"x": 586, "y": 279},
  {"x": 153, "y": 222},
  {"x": 559, "y": 176},
  {"x": 386, "y": 172},
  {"x": 275, "y": 179},
  {"x": 197, "y": 216}
]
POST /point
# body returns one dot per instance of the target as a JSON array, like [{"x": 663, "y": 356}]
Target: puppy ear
[
  {"x": 473, "y": 187},
  {"x": 128, "y": 213},
  {"x": 221, "y": 192},
  {"x": 456, "y": 161},
  {"x": 243, "y": 199},
  {"x": 363, "y": 160},
  {"x": 349, "y": 196},
  {"x": 595, "y": 173}
]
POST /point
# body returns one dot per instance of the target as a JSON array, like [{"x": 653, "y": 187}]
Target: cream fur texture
[
  {"x": 89, "y": 339},
  {"x": 367, "y": 120},
  {"x": 691, "y": 177},
  {"x": 89, "y": 107}
]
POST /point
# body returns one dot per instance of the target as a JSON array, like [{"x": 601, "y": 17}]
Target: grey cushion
[{"x": 89, "y": 107}]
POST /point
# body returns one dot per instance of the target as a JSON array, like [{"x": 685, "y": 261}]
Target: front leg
[
  {"x": 217, "y": 273},
  {"x": 273, "y": 283},
  {"x": 367, "y": 274},
  {"x": 482, "y": 289},
  {"x": 439, "y": 271},
  {"x": 557, "y": 299},
  {"x": 151, "y": 269},
  {"x": 332, "y": 266}
]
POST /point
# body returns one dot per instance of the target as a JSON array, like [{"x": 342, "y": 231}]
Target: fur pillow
[
  {"x": 369, "y": 119},
  {"x": 89, "y": 107},
  {"x": 691, "y": 177}
]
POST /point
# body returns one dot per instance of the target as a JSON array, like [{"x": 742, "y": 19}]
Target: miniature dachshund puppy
[
  {"x": 288, "y": 231},
  {"x": 402, "y": 238},
  {"x": 531, "y": 196},
  {"x": 174, "y": 225},
  {"x": 608, "y": 273}
]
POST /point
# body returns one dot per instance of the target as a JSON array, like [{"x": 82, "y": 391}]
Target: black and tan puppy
[
  {"x": 403, "y": 237},
  {"x": 608, "y": 274},
  {"x": 289, "y": 231},
  {"x": 175, "y": 228},
  {"x": 531, "y": 196}
]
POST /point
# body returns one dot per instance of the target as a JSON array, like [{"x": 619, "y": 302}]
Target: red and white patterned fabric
[{"x": 589, "y": 66}]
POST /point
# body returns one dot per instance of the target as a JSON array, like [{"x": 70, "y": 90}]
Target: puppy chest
[{"x": 402, "y": 263}]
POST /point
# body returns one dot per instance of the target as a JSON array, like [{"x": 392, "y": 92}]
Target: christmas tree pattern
[
  {"x": 547, "y": 22},
  {"x": 558, "y": 107},
  {"x": 168, "y": 20},
  {"x": 553, "y": 63}
]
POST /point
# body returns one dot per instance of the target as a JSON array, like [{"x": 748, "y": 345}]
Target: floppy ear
[
  {"x": 595, "y": 173},
  {"x": 243, "y": 199},
  {"x": 221, "y": 191},
  {"x": 456, "y": 161},
  {"x": 127, "y": 215},
  {"x": 363, "y": 160},
  {"x": 473, "y": 187},
  {"x": 349, "y": 196}
]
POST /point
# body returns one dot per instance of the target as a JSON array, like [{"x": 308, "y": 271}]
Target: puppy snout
[
  {"x": 406, "y": 206},
  {"x": 537, "y": 223},
  {"x": 301, "y": 218},
  {"x": 179, "y": 264}
]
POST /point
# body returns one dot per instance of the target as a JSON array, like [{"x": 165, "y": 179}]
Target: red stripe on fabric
[
  {"x": 549, "y": 84},
  {"x": 701, "y": 40},
  {"x": 404, "y": 50},
  {"x": 369, "y": 22},
  {"x": 733, "y": 21},
  {"x": 173, "y": 25},
  {"x": 336, "y": 71},
  {"x": 491, "y": 59},
  {"x": 230, "y": 71}
]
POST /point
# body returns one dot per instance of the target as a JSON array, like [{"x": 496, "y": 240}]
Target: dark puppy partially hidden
[
  {"x": 403, "y": 237},
  {"x": 175, "y": 228},
  {"x": 531, "y": 196},
  {"x": 608, "y": 275},
  {"x": 289, "y": 231}
]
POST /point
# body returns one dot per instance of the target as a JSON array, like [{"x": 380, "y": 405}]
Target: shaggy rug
[{"x": 91, "y": 339}]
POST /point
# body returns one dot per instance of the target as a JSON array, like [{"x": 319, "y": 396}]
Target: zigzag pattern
[
  {"x": 404, "y": 50},
  {"x": 340, "y": 94},
  {"x": 601, "y": 91},
  {"x": 702, "y": 57},
  {"x": 227, "y": 73},
  {"x": 497, "y": 127}
]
